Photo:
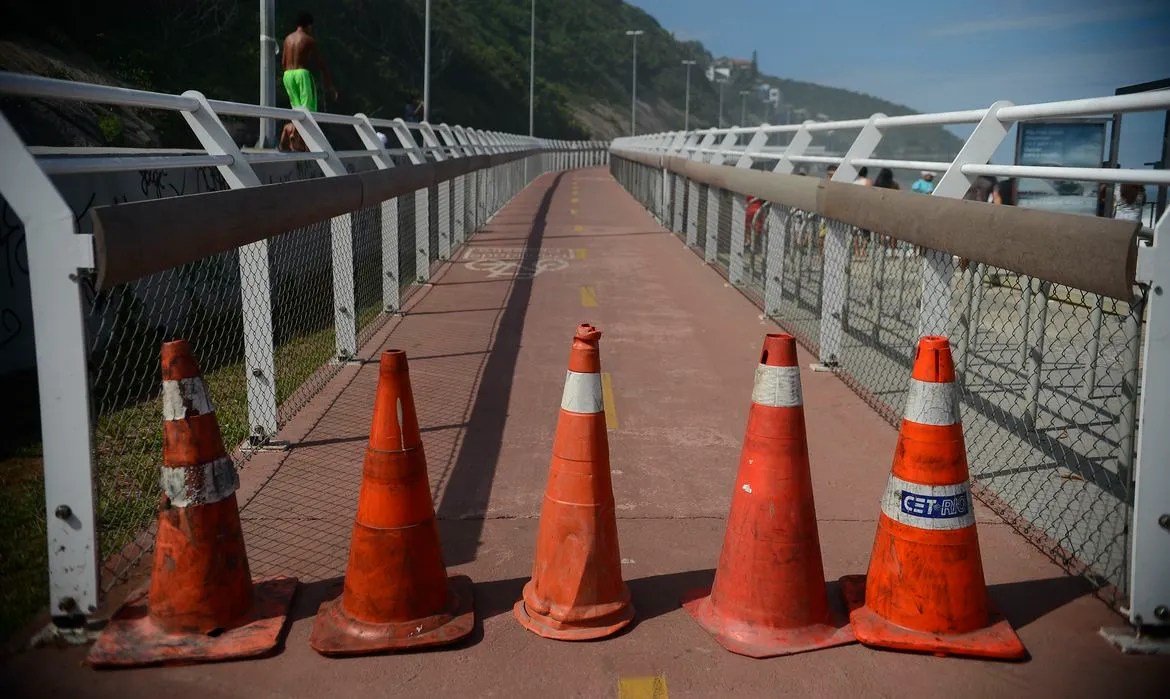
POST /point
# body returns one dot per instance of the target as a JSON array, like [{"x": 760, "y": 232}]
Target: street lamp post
[
  {"x": 721, "y": 83},
  {"x": 743, "y": 106},
  {"x": 532, "y": 72},
  {"x": 687, "y": 103},
  {"x": 427, "y": 64},
  {"x": 634, "y": 93}
]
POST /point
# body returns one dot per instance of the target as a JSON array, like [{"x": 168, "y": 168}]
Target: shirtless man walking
[{"x": 299, "y": 56}]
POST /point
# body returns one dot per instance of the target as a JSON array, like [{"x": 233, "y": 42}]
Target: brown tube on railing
[
  {"x": 1090, "y": 253},
  {"x": 380, "y": 185},
  {"x": 1085, "y": 252},
  {"x": 138, "y": 239}
]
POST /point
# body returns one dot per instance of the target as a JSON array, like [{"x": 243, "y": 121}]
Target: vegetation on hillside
[{"x": 375, "y": 47}]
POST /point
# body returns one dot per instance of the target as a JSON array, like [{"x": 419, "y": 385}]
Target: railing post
[
  {"x": 388, "y": 215},
  {"x": 834, "y": 282},
  {"x": 422, "y": 211},
  {"x": 57, "y": 256},
  {"x": 695, "y": 189},
  {"x": 739, "y": 231},
  {"x": 442, "y": 191},
  {"x": 255, "y": 282},
  {"x": 938, "y": 268},
  {"x": 341, "y": 234},
  {"x": 1150, "y": 560}
]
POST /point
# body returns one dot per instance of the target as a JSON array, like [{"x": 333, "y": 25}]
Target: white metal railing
[
  {"x": 58, "y": 255},
  {"x": 744, "y": 146}
]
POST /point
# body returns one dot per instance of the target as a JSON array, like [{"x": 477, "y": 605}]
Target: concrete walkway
[{"x": 487, "y": 343}]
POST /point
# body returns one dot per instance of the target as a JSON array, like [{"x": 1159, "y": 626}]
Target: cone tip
[
  {"x": 584, "y": 356},
  {"x": 392, "y": 361},
  {"x": 932, "y": 361},
  {"x": 779, "y": 350},
  {"x": 178, "y": 361},
  {"x": 588, "y": 333}
]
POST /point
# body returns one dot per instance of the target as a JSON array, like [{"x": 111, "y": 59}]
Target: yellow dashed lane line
[
  {"x": 588, "y": 297},
  {"x": 611, "y": 422},
  {"x": 642, "y": 688},
  {"x": 579, "y": 253}
]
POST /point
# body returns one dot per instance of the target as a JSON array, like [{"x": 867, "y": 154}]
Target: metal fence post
[
  {"x": 836, "y": 256},
  {"x": 695, "y": 190},
  {"x": 57, "y": 256},
  {"x": 422, "y": 211},
  {"x": 341, "y": 234},
  {"x": 255, "y": 281},
  {"x": 442, "y": 191},
  {"x": 388, "y": 220},
  {"x": 711, "y": 249},
  {"x": 1150, "y": 559},
  {"x": 938, "y": 267}
]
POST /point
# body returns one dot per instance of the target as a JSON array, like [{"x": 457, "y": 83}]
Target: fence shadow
[{"x": 469, "y": 487}]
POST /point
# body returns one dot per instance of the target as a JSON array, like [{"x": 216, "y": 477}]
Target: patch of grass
[{"x": 128, "y": 452}]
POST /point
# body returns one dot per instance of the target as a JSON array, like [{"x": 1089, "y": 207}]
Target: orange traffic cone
[
  {"x": 576, "y": 592},
  {"x": 925, "y": 589},
  {"x": 202, "y": 604},
  {"x": 769, "y": 594},
  {"x": 397, "y": 594}
]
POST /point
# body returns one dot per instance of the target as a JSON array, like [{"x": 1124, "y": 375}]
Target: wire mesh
[
  {"x": 128, "y": 323},
  {"x": 1048, "y": 374}
]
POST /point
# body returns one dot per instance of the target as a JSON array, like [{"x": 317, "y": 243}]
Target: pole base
[
  {"x": 996, "y": 641},
  {"x": 335, "y": 633},
  {"x": 133, "y": 639},
  {"x": 755, "y": 641}
]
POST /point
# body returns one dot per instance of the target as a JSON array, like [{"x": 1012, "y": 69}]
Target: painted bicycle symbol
[{"x": 517, "y": 268}]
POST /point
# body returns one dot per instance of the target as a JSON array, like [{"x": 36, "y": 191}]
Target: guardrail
[
  {"x": 1060, "y": 323},
  {"x": 276, "y": 285}
]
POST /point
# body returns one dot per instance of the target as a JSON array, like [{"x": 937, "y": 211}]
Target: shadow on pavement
[
  {"x": 469, "y": 487},
  {"x": 1025, "y": 601}
]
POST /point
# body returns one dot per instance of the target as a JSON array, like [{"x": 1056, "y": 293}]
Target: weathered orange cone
[
  {"x": 202, "y": 604},
  {"x": 769, "y": 594},
  {"x": 925, "y": 589},
  {"x": 397, "y": 594},
  {"x": 576, "y": 592}
]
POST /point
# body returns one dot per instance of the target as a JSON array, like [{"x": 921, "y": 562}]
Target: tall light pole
[
  {"x": 427, "y": 64},
  {"x": 634, "y": 93},
  {"x": 743, "y": 106},
  {"x": 532, "y": 73},
  {"x": 267, "y": 137},
  {"x": 721, "y": 83},
  {"x": 687, "y": 103}
]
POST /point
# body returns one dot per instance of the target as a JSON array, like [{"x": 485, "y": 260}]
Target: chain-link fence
[
  {"x": 201, "y": 302},
  {"x": 1048, "y": 374}
]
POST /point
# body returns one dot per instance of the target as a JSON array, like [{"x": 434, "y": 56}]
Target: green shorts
[{"x": 298, "y": 83}]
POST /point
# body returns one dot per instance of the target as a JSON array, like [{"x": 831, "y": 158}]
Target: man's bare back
[{"x": 300, "y": 50}]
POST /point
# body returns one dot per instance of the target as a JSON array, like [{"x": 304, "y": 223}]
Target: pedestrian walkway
[{"x": 487, "y": 343}]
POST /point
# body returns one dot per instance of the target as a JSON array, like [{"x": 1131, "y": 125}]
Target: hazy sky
[{"x": 941, "y": 56}]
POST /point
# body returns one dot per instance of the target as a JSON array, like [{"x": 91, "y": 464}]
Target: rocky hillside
[{"x": 375, "y": 48}]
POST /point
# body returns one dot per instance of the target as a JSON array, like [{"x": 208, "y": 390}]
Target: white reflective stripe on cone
[
  {"x": 200, "y": 485},
  {"x": 930, "y": 403},
  {"x": 185, "y": 398},
  {"x": 777, "y": 386},
  {"x": 582, "y": 393},
  {"x": 933, "y": 507}
]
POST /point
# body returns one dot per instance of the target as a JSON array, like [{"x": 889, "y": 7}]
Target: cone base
[
  {"x": 756, "y": 641},
  {"x": 133, "y": 639},
  {"x": 997, "y": 640},
  {"x": 548, "y": 627},
  {"x": 335, "y": 633}
]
